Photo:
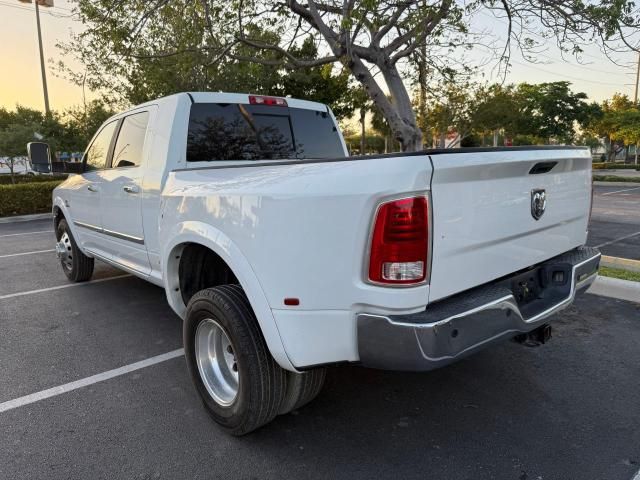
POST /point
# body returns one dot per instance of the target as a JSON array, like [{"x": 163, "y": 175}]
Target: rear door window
[
  {"x": 255, "y": 132},
  {"x": 128, "y": 148}
]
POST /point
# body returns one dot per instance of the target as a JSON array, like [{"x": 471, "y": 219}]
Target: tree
[
  {"x": 135, "y": 74},
  {"x": 495, "y": 108},
  {"x": 449, "y": 110},
  {"x": 615, "y": 115},
  {"x": 551, "y": 110},
  {"x": 371, "y": 39}
]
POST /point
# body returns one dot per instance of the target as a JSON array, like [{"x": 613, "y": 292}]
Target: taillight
[
  {"x": 262, "y": 100},
  {"x": 400, "y": 242}
]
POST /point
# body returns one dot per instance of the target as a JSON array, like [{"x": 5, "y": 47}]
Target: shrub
[
  {"x": 614, "y": 166},
  {"x": 614, "y": 178},
  {"x": 6, "y": 179},
  {"x": 26, "y": 198}
]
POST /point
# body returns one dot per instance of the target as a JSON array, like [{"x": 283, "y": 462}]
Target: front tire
[
  {"x": 75, "y": 264},
  {"x": 241, "y": 385}
]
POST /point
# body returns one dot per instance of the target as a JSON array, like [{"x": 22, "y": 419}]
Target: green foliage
[
  {"x": 551, "y": 110},
  {"x": 528, "y": 114},
  {"x": 6, "y": 179},
  {"x": 373, "y": 144},
  {"x": 619, "y": 122},
  {"x": 182, "y": 46},
  {"x": 613, "y": 166},
  {"x": 614, "y": 178},
  {"x": 26, "y": 198}
]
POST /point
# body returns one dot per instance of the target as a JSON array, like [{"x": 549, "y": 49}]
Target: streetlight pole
[
  {"x": 44, "y": 3},
  {"x": 635, "y": 95},
  {"x": 42, "y": 67}
]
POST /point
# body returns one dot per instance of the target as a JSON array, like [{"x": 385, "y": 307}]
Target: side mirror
[{"x": 39, "y": 157}]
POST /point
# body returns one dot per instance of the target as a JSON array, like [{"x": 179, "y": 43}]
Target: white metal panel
[{"x": 483, "y": 228}]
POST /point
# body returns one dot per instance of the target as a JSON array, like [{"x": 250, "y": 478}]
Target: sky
[{"x": 20, "y": 79}]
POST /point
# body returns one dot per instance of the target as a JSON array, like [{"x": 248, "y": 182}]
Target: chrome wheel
[
  {"x": 216, "y": 361},
  {"x": 64, "y": 251}
]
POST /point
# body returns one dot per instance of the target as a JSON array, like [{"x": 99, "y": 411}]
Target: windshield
[{"x": 231, "y": 131}]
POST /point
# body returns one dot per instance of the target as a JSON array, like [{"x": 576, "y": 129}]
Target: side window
[
  {"x": 96, "y": 156},
  {"x": 128, "y": 149}
]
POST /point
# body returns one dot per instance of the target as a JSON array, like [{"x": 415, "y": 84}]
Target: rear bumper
[{"x": 467, "y": 322}]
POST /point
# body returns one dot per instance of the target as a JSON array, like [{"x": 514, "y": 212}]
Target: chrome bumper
[{"x": 467, "y": 322}]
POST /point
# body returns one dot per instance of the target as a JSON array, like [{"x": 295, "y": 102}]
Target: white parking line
[
  {"x": 636, "y": 476},
  {"x": 618, "y": 191},
  {"x": 617, "y": 239},
  {"x": 59, "y": 287},
  {"x": 100, "y": 377},
  {"x": 25, "y": 233},
  {"x": 26, "y": 253}
]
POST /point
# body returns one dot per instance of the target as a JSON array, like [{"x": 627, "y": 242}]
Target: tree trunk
[
  {"x": 399, "y": 112},
  {"x": 636, "y": 155},
  {"x": 386, "y": 144},
  {"x": 495, "y": 138}
]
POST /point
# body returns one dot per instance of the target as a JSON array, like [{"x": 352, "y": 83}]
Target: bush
[
  {"x": 614, "y": 166},
  {"x": 26, "y": 198},
  {"x": 6, "y": 179},
  {"x": 614, "y": 178}
]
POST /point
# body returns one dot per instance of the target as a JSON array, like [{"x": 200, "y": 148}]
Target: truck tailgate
[{"x": 483, "y": 224}]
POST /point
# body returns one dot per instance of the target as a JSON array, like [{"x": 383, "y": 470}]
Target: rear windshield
[{"x": 231, "y": 131}]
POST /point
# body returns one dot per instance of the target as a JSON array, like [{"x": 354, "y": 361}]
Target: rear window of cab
[{"x": 231, "y": 131}]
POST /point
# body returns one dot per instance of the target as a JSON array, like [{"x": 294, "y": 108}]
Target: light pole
[
  {"x": 44, "y": 3},
  {"x": 635, "y": 95}
]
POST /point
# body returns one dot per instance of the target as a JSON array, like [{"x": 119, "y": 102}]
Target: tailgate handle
[{"x": 542, "y": 167}]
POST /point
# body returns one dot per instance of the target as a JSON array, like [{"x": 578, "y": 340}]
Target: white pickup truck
[{"x": 283, "y": 255}]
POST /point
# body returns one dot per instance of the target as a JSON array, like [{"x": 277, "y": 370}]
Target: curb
[
  {"x": 620, "y": 263},
  {"x": 616, "y": 288},
  {"x": 616, "y": 184},
  {"x": 25, "y": 218}
]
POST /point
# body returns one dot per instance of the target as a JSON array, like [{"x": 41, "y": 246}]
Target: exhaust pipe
[{"x": 535, "y": 338}]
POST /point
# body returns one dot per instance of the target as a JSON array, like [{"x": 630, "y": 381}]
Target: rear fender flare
[{"x": 212, "y": 238}]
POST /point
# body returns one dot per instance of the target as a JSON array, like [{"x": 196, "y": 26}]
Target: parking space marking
[
  {"x": 26, "y": 253},
  {"x": 617, "y": 240},
  {"x": 100, "y": 377},
  {"x": 25, "y": 233},
  {"x": 68, "y": 285},
  {"x": 618, "y": 191},
  {"x": 636, "y": 476}
]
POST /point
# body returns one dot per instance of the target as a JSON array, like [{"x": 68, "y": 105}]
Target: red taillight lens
[
  {"x": 400, "y": 242},
  {"x": 261, "y": 100}
]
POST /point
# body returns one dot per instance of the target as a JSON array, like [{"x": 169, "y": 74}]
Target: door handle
[
  {"x": 130, "y": 189},
  {"x": 92, "y": 188}
]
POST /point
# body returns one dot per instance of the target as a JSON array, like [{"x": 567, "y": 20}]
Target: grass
[
  {"x": 618, "y": 273},
  {"x": 613, "y": 178}
]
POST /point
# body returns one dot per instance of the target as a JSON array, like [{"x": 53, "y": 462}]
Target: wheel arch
[{"x": 189, "y": 236}]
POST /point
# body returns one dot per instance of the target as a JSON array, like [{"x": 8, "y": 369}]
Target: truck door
[
  {"x": 121, "y": 199},
  {"x": 84, "y": 196}
]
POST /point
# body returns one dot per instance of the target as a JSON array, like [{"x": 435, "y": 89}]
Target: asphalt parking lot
[
  {"x": 615, "y": 221},
  {"x": 566, "y": 410}
]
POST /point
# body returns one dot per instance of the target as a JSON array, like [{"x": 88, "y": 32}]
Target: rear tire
[
  {"x": 302, "y": 388},
  {"x": 241, "y": 385},
  {"x": 75, "y": 264}
]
